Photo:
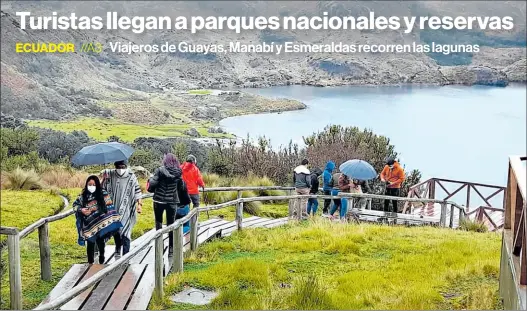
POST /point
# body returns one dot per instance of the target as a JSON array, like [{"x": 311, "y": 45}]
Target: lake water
[{"x": 455, "y": 132}]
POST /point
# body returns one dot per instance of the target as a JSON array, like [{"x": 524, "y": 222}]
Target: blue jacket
[{"x": 330, "y": 166}]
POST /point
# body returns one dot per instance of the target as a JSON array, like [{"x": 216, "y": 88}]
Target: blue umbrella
[
  {"x": 102, "y": 153},
  {"x": 358, "y": 169}
]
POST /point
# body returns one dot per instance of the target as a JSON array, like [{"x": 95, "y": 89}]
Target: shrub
[
  {"x": 473, "y": 225},
  {"x": 145, "y": 158},
  {"x": 20, "y": 179},
  {"x": 26, "y": 162},
  {"x": 55, "y": 146},
  {"x": 19, "y": 141}
]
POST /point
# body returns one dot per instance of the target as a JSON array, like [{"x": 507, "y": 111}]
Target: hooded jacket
[
  {"x": 192, "y": 177},
  {"x": 393, "y": 175},
  {"x": 301, "y": 177},
  {"x": 314, "y": 181},
  {"x": 326, "y": 177},
  {"x": 165, "y": 183}
]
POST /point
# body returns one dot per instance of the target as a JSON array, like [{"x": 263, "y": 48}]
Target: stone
[
  {"x": 216, "y": 130},
  {"x": 192, "y": 132},
  {"x": 194, "y": 296}
]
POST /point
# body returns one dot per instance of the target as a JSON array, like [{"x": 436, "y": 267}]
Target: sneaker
[
  {"x": 170, "y": 252},
  {"x": 117, "y": 256}
]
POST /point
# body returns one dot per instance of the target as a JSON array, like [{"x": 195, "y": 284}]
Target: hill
[{"x": 61, "y": 86}]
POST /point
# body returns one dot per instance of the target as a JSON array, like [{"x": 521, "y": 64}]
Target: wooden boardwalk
[{"x": 131, "y": 286}]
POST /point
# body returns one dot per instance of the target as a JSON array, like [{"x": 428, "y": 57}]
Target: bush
[
  {"x": 26, "y": 162},
  {"x": 20, "y": 179},
  {"x": 145, "y": 158},
  {"x": 19, "y": 141},
  {"x": 55, "y": 146}
]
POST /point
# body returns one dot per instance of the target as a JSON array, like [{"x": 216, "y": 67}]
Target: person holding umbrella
[
  {"x": 393, "y": 175},
  {"x": 360, "y": 171},
  {"x": 123, "y": 187},
  {"x": 120, "y": 183}
]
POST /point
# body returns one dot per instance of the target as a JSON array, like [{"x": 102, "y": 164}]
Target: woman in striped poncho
[{"x": 97, "y": 218}]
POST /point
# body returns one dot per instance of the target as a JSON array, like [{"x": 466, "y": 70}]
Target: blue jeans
[
  {"x": 312, "y": 204},
  {"x": 182, "y": 212},
  {"x": 342, "y": 203}
]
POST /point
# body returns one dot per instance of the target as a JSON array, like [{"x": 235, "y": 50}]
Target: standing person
[
  {"x": 312, "y": 203},
  {"x": 302, "y": 182},
  {"x": 184, "y": 205},
  {"x": 123, "y": 187},
  {"x": 364, "y": 188},
  {"x": 97, "y": 218},
  {"x": 393, "y": 176},
  {"x": 193, "y": 179},
  {"x": 326, "y": 185},
  {"x": 343, "y": 185},
  {"x": 166, "y": 185}
]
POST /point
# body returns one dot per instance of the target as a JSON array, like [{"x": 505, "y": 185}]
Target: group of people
[
  {"x": 108, "y": 208},
  {"x": 306, "y": 182}
]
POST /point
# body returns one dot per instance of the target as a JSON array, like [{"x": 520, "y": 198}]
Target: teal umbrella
[
  {"x": 358, "y": 169},
  {"x": 102, "y": 153}
]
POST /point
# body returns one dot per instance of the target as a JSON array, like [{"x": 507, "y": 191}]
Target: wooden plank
[
  {"x": 126, "y": 287},
  {"x": 140, "y": 256},
  {"x": 144, "y": 290},
  {"x": 109, "y": 252},
  {"x": 219, "y": 223},
  {"x": 257, "y": 223},
  {"x": 282, "y": 222},
  {"x": 210, "y": 222},
  {"x": 70, "y": 279},
  {"x": 270, "y": 221},
  {"x": 104, "y": 290},
  {"x": 76, "y": 303}
]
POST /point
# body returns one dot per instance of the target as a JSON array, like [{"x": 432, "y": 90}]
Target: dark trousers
[
  {"x": 121, "y": 242},
  {"x": 393, "y": 192},
  {"x": 327, "y": 202},
  {"x": 90, "y": 250},
  {"x": 171, "y": 214},
  {"x": 195, "y": 200}
]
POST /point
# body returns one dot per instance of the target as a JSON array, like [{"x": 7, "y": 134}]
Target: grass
[
  {"x": 101, "y": 129},
  {"x": 321, "y": 265}
]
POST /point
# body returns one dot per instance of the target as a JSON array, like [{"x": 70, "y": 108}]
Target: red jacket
[{"x": 192, "y": 177}]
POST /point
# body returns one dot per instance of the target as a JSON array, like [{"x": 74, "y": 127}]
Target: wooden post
[
  {"x": 291, "y": 205},
  {"x": 15, "y": 276},
  {"x": 239, "y": 216},
  {"x": 442, "y": 221},
  {"x": 194, "y": 232},
  {"x": 178, "y": 249},
  {"x": 298, "y": 208},
  {"x": 158, "y": 268},
  {"x": 369, "y": 204},
  {"x": 239, "y": 212},
  {"x": 45, "y": 252},
  {"x": 461, "y": 216},
  {"x": 452, "y": 216}
]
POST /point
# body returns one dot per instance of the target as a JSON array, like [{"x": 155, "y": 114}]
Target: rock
[
  {"x": 206, "y": 113},
  {"x": 192, "y": 132},
  {"x": 140, "y": 172},
  {"x": 216, "y": 130},
  {"x": 517, "y": 72},
  {"x": 194, "y": 296},
  {"x": 474, "y": 75}
]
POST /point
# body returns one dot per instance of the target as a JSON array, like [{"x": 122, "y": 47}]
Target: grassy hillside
[{"x": 320, "y": 265}]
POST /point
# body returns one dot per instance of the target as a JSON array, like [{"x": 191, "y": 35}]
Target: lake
[{"x": 455, "y": 132}]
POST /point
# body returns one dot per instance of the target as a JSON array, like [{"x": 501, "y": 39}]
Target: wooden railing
[
  {"x": 14, "y": 237},
  {"x": 514, "y": 247},
  {"x": 467, "y": 192}
]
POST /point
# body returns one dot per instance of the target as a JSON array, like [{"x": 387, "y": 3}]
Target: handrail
[
  {"x": 109, "y": 269},
  {"x": 41, "y": 224}
]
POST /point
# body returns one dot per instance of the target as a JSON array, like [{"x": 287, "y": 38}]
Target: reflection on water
[{"x": 454, "y": 132}]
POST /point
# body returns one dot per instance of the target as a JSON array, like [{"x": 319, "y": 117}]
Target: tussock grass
[
  {"x": 473, "y": 225},
  {"x": 323, "y": 265},
  {"x": 20, "y": 179},
  {"x": 64, "y": 178}
]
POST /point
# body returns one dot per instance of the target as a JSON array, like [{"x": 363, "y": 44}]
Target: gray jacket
[{"x": 301, "y": 177}]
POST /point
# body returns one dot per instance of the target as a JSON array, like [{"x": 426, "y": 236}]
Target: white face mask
[
  {"x": 121, "y": 171},
  {"x": 391, "y": 166},
  {"x": 91, "y": 189}
]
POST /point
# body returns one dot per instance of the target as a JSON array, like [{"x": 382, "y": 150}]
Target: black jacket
[
  {"x": 166, "y": 184},
  {"x": 314, "y": 184},
  {"x": 184, "y": 197}
]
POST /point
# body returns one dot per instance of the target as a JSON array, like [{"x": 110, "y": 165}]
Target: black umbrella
[{"x": 102, "y": 153}]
